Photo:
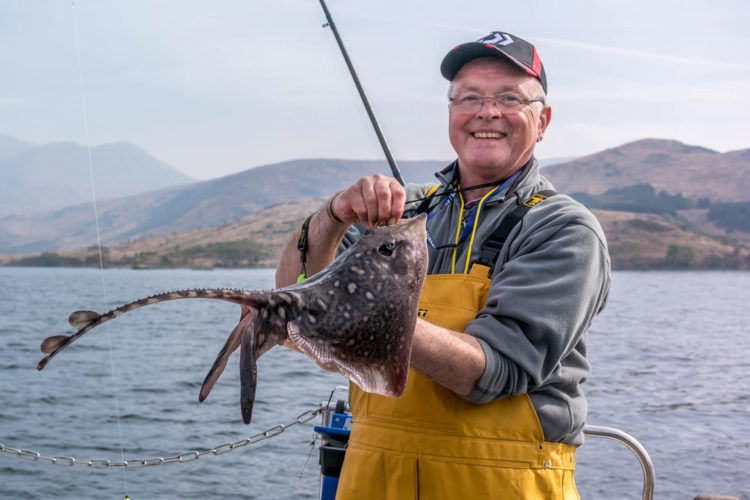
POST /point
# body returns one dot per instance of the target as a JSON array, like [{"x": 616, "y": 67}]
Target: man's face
[{"x": 492, "y": 144}]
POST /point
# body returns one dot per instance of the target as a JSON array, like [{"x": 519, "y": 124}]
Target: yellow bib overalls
[{"x": 431, "y": 444}]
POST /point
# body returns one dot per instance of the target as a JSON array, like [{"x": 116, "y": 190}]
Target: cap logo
[{"x": 497, "y": 39}]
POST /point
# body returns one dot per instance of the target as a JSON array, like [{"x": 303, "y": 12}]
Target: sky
[{"x": 213, "y": 88}]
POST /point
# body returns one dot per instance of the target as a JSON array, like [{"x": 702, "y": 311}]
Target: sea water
[{"x": 670, "y": 358}]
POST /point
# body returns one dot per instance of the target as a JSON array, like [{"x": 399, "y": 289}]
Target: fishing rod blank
[{"x": 370, "y": 113}]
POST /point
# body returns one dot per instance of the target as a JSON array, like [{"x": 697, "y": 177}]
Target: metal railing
[{"x": 637, "y": 448}]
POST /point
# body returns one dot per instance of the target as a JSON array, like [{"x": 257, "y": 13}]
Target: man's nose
[{"x": 489, "y": 107}]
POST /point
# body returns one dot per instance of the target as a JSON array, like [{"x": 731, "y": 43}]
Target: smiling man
[{"x": 493, "y": 406}]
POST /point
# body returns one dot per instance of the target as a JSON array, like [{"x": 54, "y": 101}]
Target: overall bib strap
[{"x": 490, "y": 249}]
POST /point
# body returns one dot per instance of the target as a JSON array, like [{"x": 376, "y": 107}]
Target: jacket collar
[{"x": 528, "y": 178}]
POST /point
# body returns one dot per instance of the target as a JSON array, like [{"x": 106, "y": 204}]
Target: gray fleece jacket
[{"x": 551, "y": 278}]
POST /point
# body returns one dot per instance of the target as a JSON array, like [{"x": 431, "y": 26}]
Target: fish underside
[{"x": 356, "y": 316}]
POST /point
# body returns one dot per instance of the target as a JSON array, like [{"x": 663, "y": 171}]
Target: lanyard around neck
[{"x": 469, "y": 229}]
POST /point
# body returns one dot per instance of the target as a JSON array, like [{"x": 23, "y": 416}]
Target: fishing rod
[{"x": 370, "y": 112}]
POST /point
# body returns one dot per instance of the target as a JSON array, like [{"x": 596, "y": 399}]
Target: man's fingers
[
  {"x": 398, "y": 200},
  {"x": 382, "y": 189},
  {"x": 372, "y": 201}
]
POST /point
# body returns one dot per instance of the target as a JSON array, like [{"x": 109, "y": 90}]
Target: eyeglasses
[{"x": 506, "y": 102}]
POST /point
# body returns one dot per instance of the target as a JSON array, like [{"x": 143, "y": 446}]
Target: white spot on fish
[
  {"x": 352, "y": 287},
  {"x": 369, "y": 295}
]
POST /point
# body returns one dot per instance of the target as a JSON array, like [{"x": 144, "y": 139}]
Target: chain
[{"x": 190, "y": 456}]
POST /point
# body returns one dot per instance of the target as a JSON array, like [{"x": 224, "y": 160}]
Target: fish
[{"x": 356, "y": 317}]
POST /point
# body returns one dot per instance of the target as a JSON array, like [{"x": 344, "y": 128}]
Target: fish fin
[
  {"x": 231, "y": 345},
  {"x": 82, "y": 319},
  {"x": 248, "y": 373},
  {"x": 318, "y": 352},
  {"x": 53, "y": 343},
  {"x": 375, "y": 378}
]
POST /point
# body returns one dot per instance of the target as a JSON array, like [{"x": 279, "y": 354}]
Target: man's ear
[{"x": 544, "y": 118}]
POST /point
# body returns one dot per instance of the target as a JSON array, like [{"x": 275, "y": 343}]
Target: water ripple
[{"x": 669, "y": 358}]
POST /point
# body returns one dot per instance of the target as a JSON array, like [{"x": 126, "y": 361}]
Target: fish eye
[{"x": 387, "y": 247}]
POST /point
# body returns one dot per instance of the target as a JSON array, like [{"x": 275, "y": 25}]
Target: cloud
[
  {"x": 641, "y": 54},
  {"x": 703, "y": 94},
  {"x": 7, "y": 102}
]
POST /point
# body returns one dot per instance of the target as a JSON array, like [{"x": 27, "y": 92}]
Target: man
[{"x": 493, "y": 406}]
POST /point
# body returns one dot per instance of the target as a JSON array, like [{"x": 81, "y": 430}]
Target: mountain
[
  {"x": 548, "y": 162},
  {"x": 10, "y": 146},
  {"x": 669, "y": 166},
  {"x": 258, "y": 237},
  {"x": 636, "y": 241},
  {"x": 643, "y": 168},
  {"x": 48, "y": 177},
  {"x": 202, "y": 204}
]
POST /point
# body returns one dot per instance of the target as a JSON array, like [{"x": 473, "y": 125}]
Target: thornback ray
[{"x": 357, "y": 316}]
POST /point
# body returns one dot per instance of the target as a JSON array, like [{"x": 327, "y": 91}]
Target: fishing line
[
  {"x": 365, "y": 102},
  {"x": 373, "y": 120},
  {"x": 351, "y": 95},
  {"x": 84, "y": 109}
]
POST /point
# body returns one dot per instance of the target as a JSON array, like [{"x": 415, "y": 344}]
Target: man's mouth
[{"x": 487, "y": 135}]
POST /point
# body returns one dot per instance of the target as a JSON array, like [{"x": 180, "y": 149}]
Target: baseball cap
[{"x": 497, "y": 44}]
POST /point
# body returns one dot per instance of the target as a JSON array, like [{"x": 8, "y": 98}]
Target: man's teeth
[{"x": 487, "y": 135}]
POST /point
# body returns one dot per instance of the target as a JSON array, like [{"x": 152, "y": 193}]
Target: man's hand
[{"x": 371, "y": 201}]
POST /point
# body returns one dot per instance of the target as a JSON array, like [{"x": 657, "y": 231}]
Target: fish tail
[{"x": 86, "y": 320}]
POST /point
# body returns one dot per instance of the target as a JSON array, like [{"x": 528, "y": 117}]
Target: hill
[
  {"x": 10, "y": 146},
  {"x": 201, "y": 204},
  {"x": 258, "y": 237},
  {"x": 670, "y": 184},
  {"x": 41, "y": 178},
  {"x": 668, "y": 166},
  {"x": 661, "y": 241},
  {"x": 636, "y": 241}
]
